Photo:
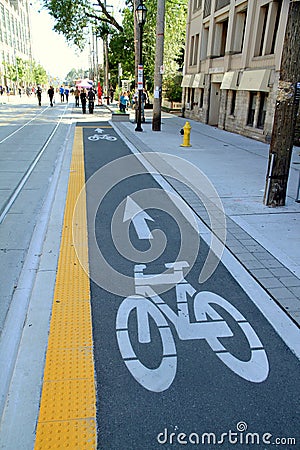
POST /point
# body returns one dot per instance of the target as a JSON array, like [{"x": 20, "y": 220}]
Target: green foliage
[
  {"x": 25, "y": 72},
  {"x": 172, "y": 88},
  {"x": 75, "y": 74},
  {"x": 74, "y": 16},
  {"x": 39, "y": 74},
  {"x": 121, "y": 50},
  {"x": 10, "y": 71},
  {"x": 71, "y": 19}
]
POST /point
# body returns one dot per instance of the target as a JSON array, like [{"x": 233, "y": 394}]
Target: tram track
[
  {"x": 15, "y": 191},
  {"x": 21, "y": 276}
]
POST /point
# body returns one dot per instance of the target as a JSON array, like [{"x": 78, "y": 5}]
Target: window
[
  {"x": 196, "y": 50},
  {"x": 277, "y": 11},
  {"x": 221, "y": 29},
  {"x": 192, "y": 98},
  {"x": 204, "y": 41},
  {"x": 201, "y": 98},
  {"x": 262, "y": 110},
  {"x": 251, "y": 111},
  {"x": 261, "y": 32},
  {"x": 233, "y": 101},
  {"x": 268, "y": 21},
  {"x": 224, "y": 37},
  {"x": 192, "y": 50},
  {"x": 207, "y": 8},
  {"x": 196, "y": 5},
  {"x": 239, "y": 32},
  {"x": 221, "y": 3}
]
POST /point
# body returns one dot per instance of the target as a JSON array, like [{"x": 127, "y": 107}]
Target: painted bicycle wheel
[{"x": 155, "y": 379}]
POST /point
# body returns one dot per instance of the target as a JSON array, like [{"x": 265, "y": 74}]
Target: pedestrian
[
  {"x": 77, "y": 95},
  {"x": 91, "y": 98},
  {"x": 99, "y": 94},
  {"x": 62, "y": 93},
  {"x": 39, "y": 95},
  {"x": 112, "y": 94},
  {"x": 51, "y": 95},
  {"x": 144, "y": 99},
  {"x": 67, "y": 91},
  {"x": 83, "y": 100},
  {"x": 20, "y": 92},
  {"x": 123, "y": 102}
]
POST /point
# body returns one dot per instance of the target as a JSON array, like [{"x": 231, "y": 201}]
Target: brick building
[{"x": 232, "y": 63}]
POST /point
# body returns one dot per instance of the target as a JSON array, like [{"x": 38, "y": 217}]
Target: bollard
[{"x": 186, "y": 135}]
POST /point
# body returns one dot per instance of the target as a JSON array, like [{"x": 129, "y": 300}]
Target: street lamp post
[{"x": 140, "y": 12}]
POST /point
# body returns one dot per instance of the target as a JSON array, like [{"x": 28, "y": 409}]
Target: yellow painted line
[{"x": 67, "y": 417}]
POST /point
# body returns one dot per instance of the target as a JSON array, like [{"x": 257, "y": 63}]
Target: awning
[
  {"x": 187, "y": 80},
  {"x": 255, "y": 80},
  {"x": 229, "y": 80},
  {"x": 216, "y": 77},
  {"x": 198, "y": 80}
]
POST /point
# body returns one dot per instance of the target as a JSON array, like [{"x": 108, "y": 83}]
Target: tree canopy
[
  {"x": 73, "y": 18},
  {"x": 25, "y": 72}
]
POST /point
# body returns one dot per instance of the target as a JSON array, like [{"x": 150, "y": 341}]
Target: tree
[
  {"x": 74, "y": 16},
  {"x": 287, "y": 103},
  {"x": 39, "y": 74},
  {"x": 121, "y": 49}
]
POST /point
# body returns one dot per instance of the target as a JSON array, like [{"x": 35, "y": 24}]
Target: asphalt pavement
[{"x": 265, "y": 240}]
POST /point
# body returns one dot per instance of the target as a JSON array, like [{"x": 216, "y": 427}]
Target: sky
[{"x": 50, "y": 49}]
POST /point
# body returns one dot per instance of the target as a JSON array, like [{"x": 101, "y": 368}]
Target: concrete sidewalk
[{"x": 265, "y": 240}]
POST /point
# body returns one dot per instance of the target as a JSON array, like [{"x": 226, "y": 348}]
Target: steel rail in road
[{"x": 10, "y": 201}]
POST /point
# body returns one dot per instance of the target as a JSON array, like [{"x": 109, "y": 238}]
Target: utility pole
[
  {"x": 287, "y": 103},
  {"x": 159, "y": 58},
  {"x": 136, "y": 42}
]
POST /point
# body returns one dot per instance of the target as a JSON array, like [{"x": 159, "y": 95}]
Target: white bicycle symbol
[
  {"x": 209, "y": 325},
  {"x": 97, "y": 137}
]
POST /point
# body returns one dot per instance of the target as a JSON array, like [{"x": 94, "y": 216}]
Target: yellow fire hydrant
[{"x": 186, "y": 135}]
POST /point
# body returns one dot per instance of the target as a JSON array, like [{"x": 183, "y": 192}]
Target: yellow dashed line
[{"x": 67, "y": 416}]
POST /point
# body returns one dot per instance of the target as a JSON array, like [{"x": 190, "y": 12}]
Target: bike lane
[{"x": 206, "y": 394}]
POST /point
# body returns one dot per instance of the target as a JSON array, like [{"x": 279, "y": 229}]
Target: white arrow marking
[
  {"x": 138, "y": 217},
  {"x": 99, "y": 130}
]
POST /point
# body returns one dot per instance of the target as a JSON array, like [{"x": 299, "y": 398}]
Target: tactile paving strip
[{"x": 67, "y": 416}]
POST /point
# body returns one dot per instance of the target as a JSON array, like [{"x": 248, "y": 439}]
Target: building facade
[
  {"x": 15, "y": 41},
  {"x": 232, "y": 63}
]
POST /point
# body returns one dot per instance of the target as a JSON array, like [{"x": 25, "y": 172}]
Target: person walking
[
  {"x": 39, "y": 95},
  {"x": 67, "y": 92},
  {"x": 62, "y": 94},
  {"x": 83, "y": 100},
  {"x": 123, "y": 102},
  {"x": 77, "y": 95},
  {"x": 51, "y": 95},
  {"x": 91, "y": 98}
]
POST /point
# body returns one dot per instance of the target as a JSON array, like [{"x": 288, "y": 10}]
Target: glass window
[
  {"x": 239, "y": 31},
  {"x": 251, "y": 111},
  {"x": 233, "y": 101},
  {"x": 262, "y": 110}
]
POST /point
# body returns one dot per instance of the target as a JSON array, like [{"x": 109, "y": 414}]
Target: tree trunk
[{"x": 287, "y": 103}]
